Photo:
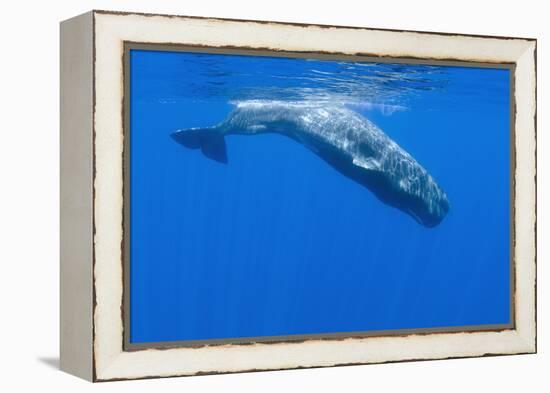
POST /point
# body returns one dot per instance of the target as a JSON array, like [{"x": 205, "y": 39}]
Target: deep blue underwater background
[{"x": 276, "y": 242}]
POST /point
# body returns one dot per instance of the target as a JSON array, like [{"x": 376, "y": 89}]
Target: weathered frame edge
[{"x": 76, "y": 196}]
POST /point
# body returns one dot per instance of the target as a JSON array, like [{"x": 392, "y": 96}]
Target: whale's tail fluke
[{"x": 210, "y": 140}]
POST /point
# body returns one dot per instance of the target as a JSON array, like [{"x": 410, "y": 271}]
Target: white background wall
[{"x": 29, "y": 181}]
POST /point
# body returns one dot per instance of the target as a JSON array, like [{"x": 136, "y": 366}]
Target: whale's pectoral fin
[
  {"x": 369, "y": 164},
  {"x": 209, "y": 140}
]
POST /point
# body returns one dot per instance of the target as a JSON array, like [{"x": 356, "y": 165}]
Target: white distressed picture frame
[{"x": 92, "y": 181}]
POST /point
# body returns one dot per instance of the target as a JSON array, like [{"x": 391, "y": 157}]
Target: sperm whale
[{"x": 343, "y": 138}]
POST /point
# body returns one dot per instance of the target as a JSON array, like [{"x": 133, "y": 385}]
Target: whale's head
[
  {"x": 429, "y": 206},
  {"x": 400, "y": 181},
  {"x": 417, "y": 194}
]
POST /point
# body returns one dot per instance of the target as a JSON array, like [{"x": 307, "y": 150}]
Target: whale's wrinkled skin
[{"x": 347, "y": 141}]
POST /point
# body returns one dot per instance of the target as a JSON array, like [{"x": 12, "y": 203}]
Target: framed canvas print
[{"x": 245, "y": 195}]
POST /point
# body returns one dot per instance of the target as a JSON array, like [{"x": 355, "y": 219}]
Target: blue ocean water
[{"x": 277, "y": 242}]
